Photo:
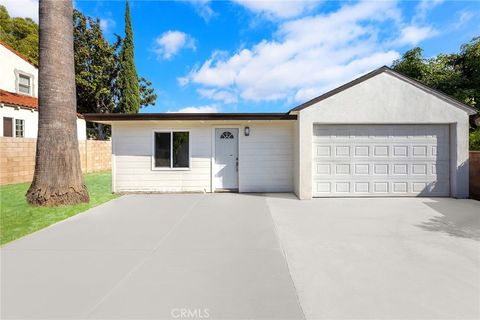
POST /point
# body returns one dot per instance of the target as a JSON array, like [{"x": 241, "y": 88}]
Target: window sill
[{"x": 171, "y": 169}]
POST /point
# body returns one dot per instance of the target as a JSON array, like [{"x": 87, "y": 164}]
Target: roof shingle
[{"x": 18, "y": 100}]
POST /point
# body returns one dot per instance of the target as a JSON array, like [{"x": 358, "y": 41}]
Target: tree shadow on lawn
[{"x": 458, "y": 218}]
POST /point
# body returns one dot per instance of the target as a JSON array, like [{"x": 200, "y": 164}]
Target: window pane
[
  {"x": 23, "y": 89},
  {"x": 162, "y": 149},
  {"x": 19, "y": 128},
  {"x": 25, "y": 80},
  {"x": 181, "y": 154}
]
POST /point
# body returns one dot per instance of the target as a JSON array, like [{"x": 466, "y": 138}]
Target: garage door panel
[{"x": 380, "y": 160}]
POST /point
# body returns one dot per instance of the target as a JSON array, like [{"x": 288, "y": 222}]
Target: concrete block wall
[
  {"x": 475, "y": 174},
  {"x": 17, "y": 158}
]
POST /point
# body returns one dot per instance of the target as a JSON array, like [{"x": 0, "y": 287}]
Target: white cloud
[
  {"x": 423, "y": 8},
  {"x": 307, "y": 56},
  {"x": 413, "y": 35},
  {"x": 463, "y": 18},
  {"x": 211, "y": 108},
  {"x": 218, "y": 95},
  {"x": 203, "y": 9},
  {"x": 107, "y": 24},
  {"x": 22, "y": 8},
  {"x": 171, "y": 42},
  {"x": 278, "y": 9}
]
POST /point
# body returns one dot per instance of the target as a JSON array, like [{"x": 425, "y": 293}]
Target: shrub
[{"x": 475, "y": 140}]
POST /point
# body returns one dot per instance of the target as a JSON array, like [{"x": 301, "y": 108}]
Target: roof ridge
[{"x": 375, "y": 72}]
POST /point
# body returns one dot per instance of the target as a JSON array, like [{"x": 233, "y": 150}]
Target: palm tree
[{"x": 58, "y": 176}]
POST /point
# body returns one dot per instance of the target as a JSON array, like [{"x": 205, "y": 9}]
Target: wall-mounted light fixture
[{"x": 247, "y": 131}]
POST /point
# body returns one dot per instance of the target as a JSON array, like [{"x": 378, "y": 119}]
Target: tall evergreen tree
[{"x": 128, "y": 78}]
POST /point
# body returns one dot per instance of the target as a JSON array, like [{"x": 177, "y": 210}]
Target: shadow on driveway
[{"x": 457, "y": 218}]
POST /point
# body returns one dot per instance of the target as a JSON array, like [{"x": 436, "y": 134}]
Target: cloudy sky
[{"x": 269, "y": 56}]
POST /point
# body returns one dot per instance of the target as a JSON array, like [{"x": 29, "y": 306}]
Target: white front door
[{"x": 226, "y": 159}]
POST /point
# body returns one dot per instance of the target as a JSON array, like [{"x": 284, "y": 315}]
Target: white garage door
[{"x": 380, "y": 160}]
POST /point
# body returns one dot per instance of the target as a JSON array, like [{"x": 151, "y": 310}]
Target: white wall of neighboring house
[
  {"x": 30, "y": 117},
  {"x": 10, "y": 66}
]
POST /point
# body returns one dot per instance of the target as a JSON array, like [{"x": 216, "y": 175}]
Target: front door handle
[{"x": 236, "y": 163}]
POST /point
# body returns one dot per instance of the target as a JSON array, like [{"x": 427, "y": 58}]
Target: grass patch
[{"x": 17, "y": 218}]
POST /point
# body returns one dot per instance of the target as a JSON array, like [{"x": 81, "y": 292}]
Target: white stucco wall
[
  {"x": 265, "y": 157},
  {"x": 31, "y": 121},
  {"x": 384, "y": 99},
  {"x": 9, "y": 64}
]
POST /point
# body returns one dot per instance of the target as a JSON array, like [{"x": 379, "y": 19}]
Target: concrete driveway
[
  {"x": 219, "y": 256},
  {"x": 383, "y": 258},
  {"x": 153, "y": 257}
]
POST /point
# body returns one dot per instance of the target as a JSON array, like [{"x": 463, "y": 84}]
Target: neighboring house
[
  {"x": 382, "y": 134},
  {"x": 19, "y": 96}
]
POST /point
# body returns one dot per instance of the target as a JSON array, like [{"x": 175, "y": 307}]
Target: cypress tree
[{"x": 128, "y": 79}]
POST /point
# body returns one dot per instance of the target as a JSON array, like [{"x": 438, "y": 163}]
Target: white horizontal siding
[
  {"x": 133, "y": 159},
  {"x": 266, "y": 158},
  {"x": 265, "y": 161}
]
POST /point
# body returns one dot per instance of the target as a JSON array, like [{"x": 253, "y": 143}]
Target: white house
[
  {"x": 382, "y": 134},
  {"x": 19, "y": 96}
]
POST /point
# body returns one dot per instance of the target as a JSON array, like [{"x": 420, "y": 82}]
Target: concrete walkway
[
  {"x": 153, "y": 257},
  {"x": 382, "y": 258}
]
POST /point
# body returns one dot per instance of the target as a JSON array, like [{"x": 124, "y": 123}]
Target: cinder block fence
[{"x": 17, "y": 158}]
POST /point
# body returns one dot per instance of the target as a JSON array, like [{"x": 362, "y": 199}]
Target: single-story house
[{"x": 382, "y": 134}]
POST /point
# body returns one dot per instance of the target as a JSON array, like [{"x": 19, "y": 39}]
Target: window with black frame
[{"x": 172, "y": 149}]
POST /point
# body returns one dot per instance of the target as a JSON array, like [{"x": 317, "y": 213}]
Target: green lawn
[{"x": 17, "y": 218}]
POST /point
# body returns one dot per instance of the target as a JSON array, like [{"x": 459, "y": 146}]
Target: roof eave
[
  {"x": 470, "y": 110},
  {"x": 114, "y": 117}
]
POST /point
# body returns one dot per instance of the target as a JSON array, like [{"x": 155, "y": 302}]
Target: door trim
[{"x": 212, "y": 155}]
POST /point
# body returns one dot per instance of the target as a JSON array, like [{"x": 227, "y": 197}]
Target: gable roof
[
  {"x": 18, "y": 100},
  {"x": 18, "y": 54},
  {"x": 470, "y": 110}
]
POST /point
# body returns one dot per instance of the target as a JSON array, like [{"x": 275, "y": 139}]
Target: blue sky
[{"x": 269, "y": 56}]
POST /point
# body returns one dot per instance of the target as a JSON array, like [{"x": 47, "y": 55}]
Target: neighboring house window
[
  {"x": 24, "y": 84},
  {"x": 172, "y": 149},
  {"x": 7, "y": 127},
  {"x": 19, "y": 128}
]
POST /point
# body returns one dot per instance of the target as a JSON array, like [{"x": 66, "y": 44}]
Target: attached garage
[
  {"x": 380, "y": 160},
  {"x": 382, "y": 135}
]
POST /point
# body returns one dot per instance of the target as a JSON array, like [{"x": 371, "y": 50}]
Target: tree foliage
[
  {"x": 456, "y": 74},
  {"x": 128, "y": 79},
  {"x": 147, "y": 93},
  {"x": 96, "y": 69},
  {"x": 20, "y": 33}
]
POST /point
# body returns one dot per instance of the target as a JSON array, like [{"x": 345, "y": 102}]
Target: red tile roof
[
  {"x": 18, "y": 100},
  {"x": 18, "y": 53}
]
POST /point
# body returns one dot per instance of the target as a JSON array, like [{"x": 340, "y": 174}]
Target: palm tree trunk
[{"x": 58, "y": 176}]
